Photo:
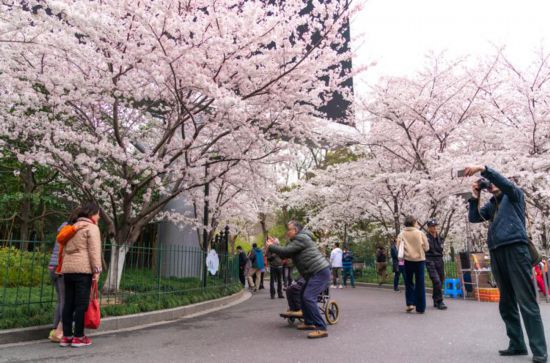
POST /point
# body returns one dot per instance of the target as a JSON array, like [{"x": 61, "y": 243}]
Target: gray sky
[{"x": 397, "y": 34}]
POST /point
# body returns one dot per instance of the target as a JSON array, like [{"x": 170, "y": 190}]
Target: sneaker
[
  {"x": 66, "y": 341},
  {"x": 304, "y": 326},
  {"x": 317, "y": 334},
  {"x": 410, "y": 308},
  {"x": 81, "y": 342},
  {"x": 442, "y": 306},
  {"x": 54, "y": 338},
  {"x": 332, "y": 286},
  {"x": 340, "y": 287}
]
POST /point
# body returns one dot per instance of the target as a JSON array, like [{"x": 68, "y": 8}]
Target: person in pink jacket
[{"x": 81, "y": 264}]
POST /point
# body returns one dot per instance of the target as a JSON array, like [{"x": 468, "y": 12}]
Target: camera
[{"x": 483, "y": 183}]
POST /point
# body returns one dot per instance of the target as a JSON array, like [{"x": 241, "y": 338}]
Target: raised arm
[
  {"x": 291, "y": 249},
  {"x": 504, "y": 184}
]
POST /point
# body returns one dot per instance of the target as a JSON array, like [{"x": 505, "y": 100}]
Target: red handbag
[{"x": 92, "y": 318}]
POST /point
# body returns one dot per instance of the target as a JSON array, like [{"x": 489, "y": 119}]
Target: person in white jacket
[{"x": 336, "y": 265}]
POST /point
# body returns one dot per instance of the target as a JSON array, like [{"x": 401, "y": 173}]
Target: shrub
[{"x": 22, "y": 268}]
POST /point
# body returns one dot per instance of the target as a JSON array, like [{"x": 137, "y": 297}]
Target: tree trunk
[
  {"x": 25, "y": 216},
  {"x": 263, "y": 218},
  {"x": 114, "y": 273}
]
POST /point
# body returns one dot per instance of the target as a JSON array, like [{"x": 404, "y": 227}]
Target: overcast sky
[{"x": 397, "y": 34}]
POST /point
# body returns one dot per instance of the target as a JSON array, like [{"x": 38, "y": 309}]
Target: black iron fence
[{"x": 151, "y": 278}]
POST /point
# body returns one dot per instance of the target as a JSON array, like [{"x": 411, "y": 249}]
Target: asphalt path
[{"x": 373, "y": 327}]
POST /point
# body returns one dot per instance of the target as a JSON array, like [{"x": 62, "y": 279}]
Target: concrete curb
[{"x": 130, "y": 322}]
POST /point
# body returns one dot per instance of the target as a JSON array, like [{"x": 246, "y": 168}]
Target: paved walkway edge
[{"x": 130, "y": 322}]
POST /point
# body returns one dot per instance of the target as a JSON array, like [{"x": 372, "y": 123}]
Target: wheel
[
  {"x": 332, "y": 312},
  {"x": 292, "y": 321}
]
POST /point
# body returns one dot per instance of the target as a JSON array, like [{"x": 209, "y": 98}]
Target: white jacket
[{"x": 336, "y": 258}]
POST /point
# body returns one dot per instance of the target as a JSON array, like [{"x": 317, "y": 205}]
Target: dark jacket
[
  {"x": 242, "y": 260},
  {"x": 506, "y": 213},
  {"x": 304, "y": 253},
  {"x": 274, "y": 260},
  {"x": 347, "y": 260},
  {"x": 436, "y": 247},
  {"x": 394, "y": 257},
  {"x": 381, "y": 255}
]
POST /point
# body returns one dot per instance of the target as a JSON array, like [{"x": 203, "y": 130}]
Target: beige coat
[
  {"x": 416, "y": 244},
  {"x": 82, "y": 253}
]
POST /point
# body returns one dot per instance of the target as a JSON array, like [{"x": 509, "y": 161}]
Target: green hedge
[
  {"x": 22, "y": 268},
  {"x": 25, "y": 315}
]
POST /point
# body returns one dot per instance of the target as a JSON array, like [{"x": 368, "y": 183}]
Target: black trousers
[
  {"x": 400, "y": 270},
  {"x": 241, "y": 275},
  {"x": 436, "y": 271},
  {"x": 287, "y": 275},
  {"x": 276, "y": 276},
  {"x": 77, "y": 298},
  {"x": 511, "y": 267}
]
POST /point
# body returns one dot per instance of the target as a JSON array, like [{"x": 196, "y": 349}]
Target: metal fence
[
  {"x": 368, "y": 272},
  {"x": 151, "y": 275}
]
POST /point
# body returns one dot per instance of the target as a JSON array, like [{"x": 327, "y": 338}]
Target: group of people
[
  {"x": 341, "y": 263},
  {"x": 252, "y": 268},
  {"x": 511, "y": 260},
  {"x": 75, "y": 262}
]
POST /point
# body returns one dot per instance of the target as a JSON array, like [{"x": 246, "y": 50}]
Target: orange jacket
[{"x": 64, "y": 235}]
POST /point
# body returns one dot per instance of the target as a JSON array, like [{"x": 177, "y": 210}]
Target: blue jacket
[
  {"x": 259, "y": 258},
  {"x": 506, "y": 213},
  {"x": 347, "y": 260}
]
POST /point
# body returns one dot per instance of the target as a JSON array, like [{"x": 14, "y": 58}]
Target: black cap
[{"x": 432, "y": 222}]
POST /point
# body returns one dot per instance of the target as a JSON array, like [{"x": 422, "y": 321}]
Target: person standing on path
[
  {"x": 58, "y": 282},
  {"x": 511, "y": 261},
  {"x": 397, "y": 265},
  {"x": 415, "y": 246},
  {"x": 347, "y": 267},
  {"x": 81, "y": 265},
  {"x": 381, "y": 264},
  {"x": 435, "y": 265},
  {"x": 314, "y": 268},
  {"x": 242, "y": 264},
  {"x": 275, "y": 271},
  {"x": 256, "y": 260},
  {"x": 336, "y": 265}
]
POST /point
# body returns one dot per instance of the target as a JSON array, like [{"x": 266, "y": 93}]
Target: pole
[{"x": 205, "y": 225}]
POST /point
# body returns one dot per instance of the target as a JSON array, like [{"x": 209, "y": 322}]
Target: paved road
[{"x": 373, "y": 328}]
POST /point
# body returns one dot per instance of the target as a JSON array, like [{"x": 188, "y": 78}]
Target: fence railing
[{"x": 151, "y": 278}]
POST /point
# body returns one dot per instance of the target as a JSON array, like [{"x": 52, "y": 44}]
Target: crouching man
[{"x": 313, "y": 267}]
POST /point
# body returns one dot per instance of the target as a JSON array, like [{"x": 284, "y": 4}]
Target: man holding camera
[
  {"x": 511, "y": 262},
  {"x": 435, "y": 265}
]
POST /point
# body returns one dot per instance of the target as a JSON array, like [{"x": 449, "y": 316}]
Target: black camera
[{"x": 483, "y": 183}]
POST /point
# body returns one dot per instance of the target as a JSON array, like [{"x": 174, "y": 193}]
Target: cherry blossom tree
[{"x": 131, "y": 101}]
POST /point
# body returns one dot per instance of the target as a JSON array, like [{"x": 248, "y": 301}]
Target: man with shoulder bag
[{"x": 511, "y": 259}]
